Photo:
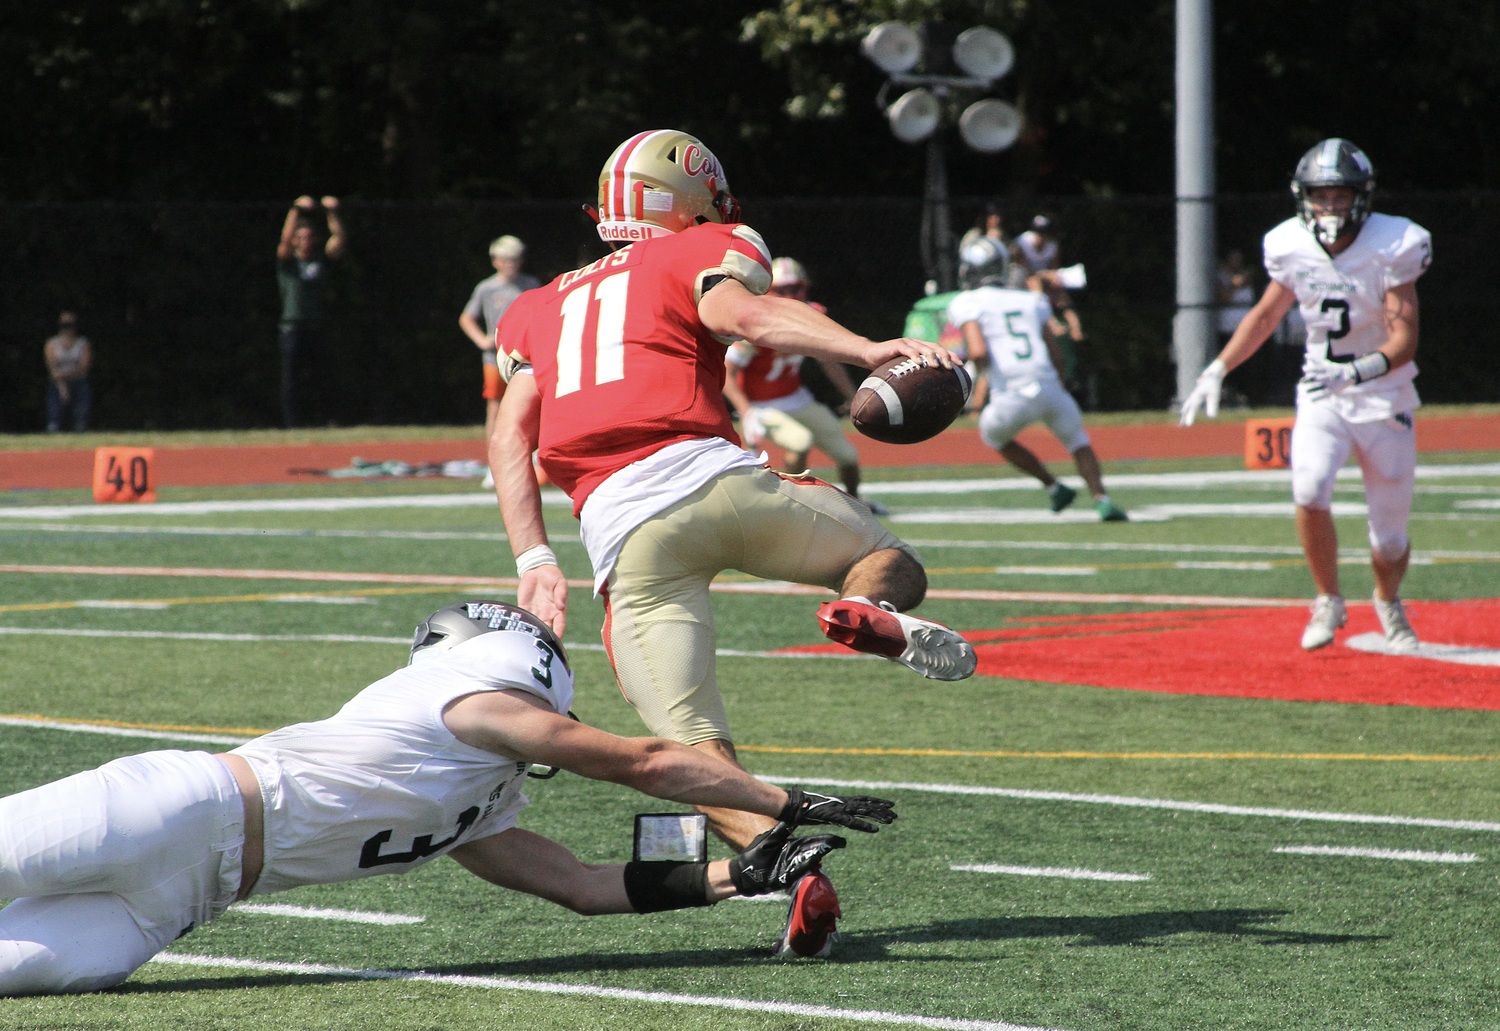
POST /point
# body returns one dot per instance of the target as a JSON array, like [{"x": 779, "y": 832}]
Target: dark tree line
[{"x": 427, "y": 99}]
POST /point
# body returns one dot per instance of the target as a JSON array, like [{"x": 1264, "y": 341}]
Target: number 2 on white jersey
[{"x": 609, "y": 333}]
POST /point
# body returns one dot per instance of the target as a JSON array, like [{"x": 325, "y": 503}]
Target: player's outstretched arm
[
  {"x": 513, "y": 437},
  {"x": 786, "y": 324},
  {"x": 521, "y": 860},
  {"x": 521, "y": 726},
  {"x": 1253, "y": 331}
]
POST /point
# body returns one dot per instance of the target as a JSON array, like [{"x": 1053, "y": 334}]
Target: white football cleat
[
  {"x": 1328, "y": 615},
  {"x": 1400, "y": 638}
]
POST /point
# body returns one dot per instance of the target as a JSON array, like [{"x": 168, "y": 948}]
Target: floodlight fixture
[
  {"x": 989, "y": 126},
  {"x": 894, "y": 46},
  {"x": 915, "y": 115},
  {"x": 983, "y": 53}
]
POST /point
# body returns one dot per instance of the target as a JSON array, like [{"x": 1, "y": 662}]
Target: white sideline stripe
[
  {"x": 552, "y": 496},
  {"x": 352, "y": 916},
  {"x": 1072, "y": 873},
  {"x": 1147, "y": 803},
  {"x": 1138, "y": 514},
  {"x": 1379, "y": 853},
  {"x": 597, "y": 992}
]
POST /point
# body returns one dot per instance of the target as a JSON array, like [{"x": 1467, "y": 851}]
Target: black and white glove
[
  {"x": 852, "y": 811},
  {"x": 776, "y": 859}
]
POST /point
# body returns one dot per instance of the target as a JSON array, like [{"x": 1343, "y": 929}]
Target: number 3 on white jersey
[{"x": 609, "y": 333}]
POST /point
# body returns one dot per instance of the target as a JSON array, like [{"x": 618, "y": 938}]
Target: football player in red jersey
[
  {"x": 766, "y": 389},
  {"x": 616, "y": 375}
]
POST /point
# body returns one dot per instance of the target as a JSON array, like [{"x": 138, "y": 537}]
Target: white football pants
[{"x": 110, "y": 866}]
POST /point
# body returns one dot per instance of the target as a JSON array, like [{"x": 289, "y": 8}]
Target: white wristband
[
  {"x": 1371, "y": 366},
  {"x": 537, "y": 555}
]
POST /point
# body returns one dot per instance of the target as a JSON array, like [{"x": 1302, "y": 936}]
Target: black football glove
[
  {"x": 776, "y": 859},
  {"x": 853, "y": 811}
]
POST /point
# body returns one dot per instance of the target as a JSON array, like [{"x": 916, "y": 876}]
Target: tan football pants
[{"x": 659, "y": 623}]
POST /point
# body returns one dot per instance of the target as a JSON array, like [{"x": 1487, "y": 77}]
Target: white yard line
[
  {"x": 553, "y": 497},
  {"x": 1066, "y": 872},
  {"x": 1379, "y": 853},
  {"x": 348, "y": 916},
  {"x": 513, "y": 984}
]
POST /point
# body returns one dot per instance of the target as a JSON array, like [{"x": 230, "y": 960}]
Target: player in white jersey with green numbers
[
  {"x": 1004, "y": 333},
  {"x": 1354, "y": 276}
]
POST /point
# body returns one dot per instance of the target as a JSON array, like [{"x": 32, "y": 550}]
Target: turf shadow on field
[{"x": 1136, "y": 929}]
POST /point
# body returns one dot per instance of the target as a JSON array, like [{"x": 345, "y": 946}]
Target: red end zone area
[{"x": 1254, "y": 653}]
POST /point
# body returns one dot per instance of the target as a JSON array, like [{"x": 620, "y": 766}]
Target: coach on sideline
[{"x": 110, "y": 866}]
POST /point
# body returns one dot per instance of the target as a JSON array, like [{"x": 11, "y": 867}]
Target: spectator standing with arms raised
[
  {"x": 1353, "y": 273},
  {"x": 302, "y": 261},
  {"x": 70, "y": 358}
]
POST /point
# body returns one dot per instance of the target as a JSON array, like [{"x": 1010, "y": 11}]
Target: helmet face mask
[
  {"x": 1338, "y": 163},
  {"x": 661, "y": 182},
  {"x": 983, "y": 263},
  {"x": 454, "y": 624}
]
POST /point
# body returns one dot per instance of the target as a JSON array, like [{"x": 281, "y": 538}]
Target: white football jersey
[
  {"x": 1012, "y": 322},
  {"x": 383, "y": 786},
  {"x": 1342, "y": 301}
]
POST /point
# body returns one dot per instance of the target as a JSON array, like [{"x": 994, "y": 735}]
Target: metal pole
[
  {"x": 937, "y": 228},
  {"x": 1193, "y": 329}
]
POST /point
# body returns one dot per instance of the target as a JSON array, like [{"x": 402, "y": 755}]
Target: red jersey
[{"x": 623, "y": 365}]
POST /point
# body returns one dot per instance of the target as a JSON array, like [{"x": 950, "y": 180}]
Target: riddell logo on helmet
[{"x": 619, "y": 231}]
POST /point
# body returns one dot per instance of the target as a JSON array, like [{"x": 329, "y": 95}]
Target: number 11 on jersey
[{"x": 607, "y": 296}]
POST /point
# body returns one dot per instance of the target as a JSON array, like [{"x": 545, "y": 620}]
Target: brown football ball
[{"x": 906, "y": 400}]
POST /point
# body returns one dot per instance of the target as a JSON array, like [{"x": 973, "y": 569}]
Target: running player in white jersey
[
  {"x": 1354, "y": 275},
  {"x": 110, "y": 866},
  {"x": 1004, "y": 333}
]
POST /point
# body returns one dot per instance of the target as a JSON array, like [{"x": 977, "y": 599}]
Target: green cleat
[{"x": 1060, "y": 496}]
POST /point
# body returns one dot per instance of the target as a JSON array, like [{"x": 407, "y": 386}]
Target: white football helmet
[
  {"x": 1334, "y": 162},
  {"x": 659, "y": 182},
  {"x": 788, "y": 277},
  {"x": 788, "y": 272}
]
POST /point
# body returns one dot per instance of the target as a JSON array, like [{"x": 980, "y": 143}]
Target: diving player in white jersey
[
  {"x": 1354, "y": 275},
  {"x": 1003, "y": 333},
  {"x": 109, "y": 867}
]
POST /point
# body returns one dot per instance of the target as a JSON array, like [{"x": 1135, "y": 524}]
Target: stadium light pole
[
  {"x": 1193, "y": 329},
  {"x": 938, "y": 67}
]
